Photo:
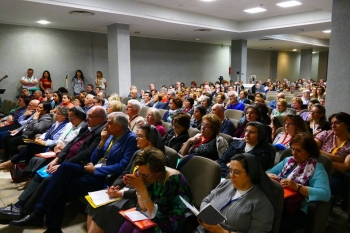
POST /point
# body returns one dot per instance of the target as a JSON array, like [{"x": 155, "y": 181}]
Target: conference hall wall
[{"x": 152, "y": 60}]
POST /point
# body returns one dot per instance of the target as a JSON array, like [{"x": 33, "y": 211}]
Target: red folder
[{"x": 143, "y": 224}]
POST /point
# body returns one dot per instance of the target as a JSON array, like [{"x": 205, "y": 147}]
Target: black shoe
[
  {"x": 28, "y": 221},
  {"x": 53, "y": 230},
  {"x": 10, "y": 212}
]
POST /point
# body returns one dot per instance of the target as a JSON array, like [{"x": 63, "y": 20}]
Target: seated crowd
[{"x": 93, "y": 136}]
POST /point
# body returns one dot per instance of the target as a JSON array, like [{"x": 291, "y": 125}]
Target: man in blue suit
[{"x": 111, "y": 156}]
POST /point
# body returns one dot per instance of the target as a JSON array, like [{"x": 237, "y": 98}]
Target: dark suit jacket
[
  {"x": 36, "y": 126},
  {"x": 159, "y": 105},
  {"x": 87, "y": 148}
]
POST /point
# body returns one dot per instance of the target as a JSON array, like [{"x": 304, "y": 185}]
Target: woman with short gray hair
[{"x": 153, "y": 117}]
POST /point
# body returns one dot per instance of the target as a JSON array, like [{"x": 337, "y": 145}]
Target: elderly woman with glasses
[
  {"x": 281, "y": 108},
  {"x": 255, "y": 142},
  {"x": 158, "y": 190},
  {"x": 207, "y": 143},
  {"x": 335, "y": 144},
  {"x": 247, "y": 199},
  {"x": 293, "y": 124}
]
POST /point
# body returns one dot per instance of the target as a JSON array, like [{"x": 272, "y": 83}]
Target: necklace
[{"x": 157, "y": 187}]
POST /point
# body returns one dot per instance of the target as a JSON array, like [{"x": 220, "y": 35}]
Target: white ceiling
[{"x": 296, "y": 27}]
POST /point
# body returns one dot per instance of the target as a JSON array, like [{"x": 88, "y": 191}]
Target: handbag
[
  {"x": 292, "y": 200},
  {"x": 17, "y": 173}
]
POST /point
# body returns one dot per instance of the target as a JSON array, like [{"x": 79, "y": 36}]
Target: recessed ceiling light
[
  {"x": 255, "y": 10},
  {"x": 314, "y": 52},
  {"x": 288, "y": 4},
  {"x": 137, "y": 32},
  {"x": 327, "y": 31},
  {"x": 295, "y": 50},
  {"x": 207, "y": 0},
  {"x": 43, "y": 22},
  {"x": 81, "y": 13},
  {"x": 198, "y": 39}
]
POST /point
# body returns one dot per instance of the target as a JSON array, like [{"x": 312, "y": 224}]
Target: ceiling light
[
  {"x": 327, "y": 31},
  {"x": 314, "y": 52},
  {"x": 43, "y": 22},
  {"x": 288, "y": 4},
  {"x": 137, "y": 32},
  {"x": 207, "y": 0},
  {"x": 295, "y": 50},
  {"x": 81, "y": 13},
  {"x": 198, "y": 39},
  {"x": 255, "y": 10}
]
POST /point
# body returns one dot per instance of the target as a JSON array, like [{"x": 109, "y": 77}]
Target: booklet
[
  {"x": 141, "y": 221},
  {"x": 43, "y": 173},
  {"x": 46, "y": 155},
  {"x": 208, "y": 214},
  {"x": 100, "y": 198}
]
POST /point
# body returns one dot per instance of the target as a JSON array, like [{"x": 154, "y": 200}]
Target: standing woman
[
  {"x": 100, "y": 81},
  {"x": 45, "y": 82},
  {"x": 78, "y": 82}
]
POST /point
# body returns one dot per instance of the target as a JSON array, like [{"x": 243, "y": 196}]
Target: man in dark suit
[
  {"x": 112, "y": 155},
  {"x": 78, "y": 150}
]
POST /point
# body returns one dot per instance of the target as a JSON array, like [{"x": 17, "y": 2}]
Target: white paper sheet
[{"x": 136, "y": 216}]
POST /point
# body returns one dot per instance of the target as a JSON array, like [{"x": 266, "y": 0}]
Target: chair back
[
  {"x": 270, "y": 110},
  {"x": 125, "y": 100},
  {"x": 278, "y": 190},
  {"x": 273, "y": 156},
  {"x": 279, "y": 130},
  {"x": 235, "y": 122},
  {"x": 202, "y": 175},
  {"x": 292, "y": 110},
  {"x": 246, "y": 106},
  {"x": 162, "y": 112},
  {"x": 143, "y": 111},
  {"x": 233, "y": 113},
  {"x": 280, "y": 119},
  {"x": 123, "y": 108},
  {"x": 289, "y": 98},
  {"x": 227, "y": 137},
  {"x": 172, "y": 156},
  {"x": 193, "y": 131},
  {"x": 166, "y": 126},
  {"x": 270, "y": 97}
]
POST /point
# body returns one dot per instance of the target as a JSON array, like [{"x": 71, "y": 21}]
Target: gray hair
[
  {"x": 135, "y": 105},
  {"x": 120, "y": 119},
  {"x": 63, "y": 110},
  {"x": 156, "y": 114},
  {"x": 233, "y": 93}
]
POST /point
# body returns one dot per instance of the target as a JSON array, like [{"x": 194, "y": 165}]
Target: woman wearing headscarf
[
  {"x": 107, "y": 218},
  {"x": 247, "y": 199},
  {"x": 255, "y": 142}
]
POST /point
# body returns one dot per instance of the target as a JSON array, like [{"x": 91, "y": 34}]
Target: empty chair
[{"x": 234, "y": 114}]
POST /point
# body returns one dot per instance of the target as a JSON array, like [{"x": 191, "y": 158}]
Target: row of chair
[{"x": 6, "y": 106}]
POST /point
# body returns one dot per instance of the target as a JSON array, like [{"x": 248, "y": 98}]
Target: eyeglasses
[
  {"x": 206, "y": 126},
  {"x": 70, "y": 118},
  {"x": 140, "y": 136},
  {"x": 249, "y": 132},
  {"x": 143, "y": 175},
  {"x": 336, "y": 123},
  {"x": 314, "y": 112},
  {"x": 236, "y": 172}
]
